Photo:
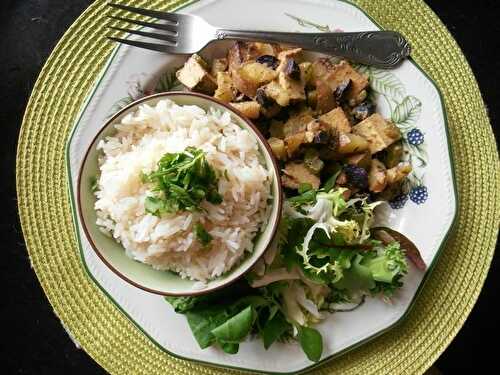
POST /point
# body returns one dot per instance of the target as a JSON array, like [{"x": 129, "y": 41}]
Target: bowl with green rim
[{"x": 142, "y": 275}]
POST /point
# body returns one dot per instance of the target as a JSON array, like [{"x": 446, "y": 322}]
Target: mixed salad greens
[{"x": 324, "y": 259}]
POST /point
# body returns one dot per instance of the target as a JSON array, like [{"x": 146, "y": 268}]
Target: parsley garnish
[
  {"x": 181, "y": 182},
  {"x": 202, "y": 235}
]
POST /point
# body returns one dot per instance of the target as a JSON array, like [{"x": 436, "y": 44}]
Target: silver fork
[{"x": 187, "y": 34}]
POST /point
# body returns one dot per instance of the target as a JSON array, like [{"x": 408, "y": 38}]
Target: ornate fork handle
[{"x": 382, "y": 49}]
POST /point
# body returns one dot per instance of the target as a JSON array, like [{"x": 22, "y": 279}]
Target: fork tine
[
  {"x": 161, "y": 26},
  {"x": 147, "y": 12},
  {"x": 168, "y": 38},
  {"x": 145, "y": 45}
]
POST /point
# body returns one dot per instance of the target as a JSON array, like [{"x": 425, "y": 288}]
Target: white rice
[{"x": 168, "y": 242}]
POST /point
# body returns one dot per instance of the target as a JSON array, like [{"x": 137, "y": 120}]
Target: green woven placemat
[{"x": 115, "y": 343}]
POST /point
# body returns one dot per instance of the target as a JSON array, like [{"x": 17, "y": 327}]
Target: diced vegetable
[
  {"x": 325, "y": 100},
  {"x": 194, "y": 76},
  {"x": 312, "y": 160},
  {"x": 398, "y": 173},
  {"x": 278, "y": 147},
  {"x": 250, "y": 109},
  {"x": 362, "y": 160},
  {"x": 225, "y": 90},
  {"x": 377, "y": 179},
  {"x": 337, "y": 120},
  {"x": 393, "y": 156},
  {"x": 297, "y": 123},
  {"x": 250, "y": 76},
  {"x": 276, "y": 129},
  {"x": 352, "y": 144},
  {"x": 362, "y": 111},
  {"x": 342, "y": 72},
  {"x": 219, "y": 65},
  {"x": 378, "y": 132},
  {"x": 296, "y": 174}
]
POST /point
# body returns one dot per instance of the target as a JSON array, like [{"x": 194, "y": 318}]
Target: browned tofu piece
[
  {"x": 342, "y": 72},
  {"x": 250, "y": 109},
  {"x": 295, "y": 174},
  {"x": 289, "y": 53},
  {"x": 219, "y": 65},
  {"x": 378, "y": 132},
  {"x": 194, "y": 76},
  {"x": 325, "y": 100},
  {"x": 320, "y": 68},
  {"x": 297, "y": 123},
  {"x": 225, "y": 91},
  {"x": 337, "y": 119},
  {"x": 362, "y": 160},
  {"x": 377, "y": 178},
  {"x": 241, "y": 52},
  {"x": 250, "y": 76}
]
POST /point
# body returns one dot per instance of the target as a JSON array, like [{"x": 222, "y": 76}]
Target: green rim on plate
[{"x": 119, "y": 346}]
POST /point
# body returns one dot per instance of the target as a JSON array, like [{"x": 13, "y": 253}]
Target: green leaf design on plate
[
  {"x": 122, "y": 103},
  {"x": 168, "y": 81},
  {"x": 407, "y": 112},
  {"x": 387, "y": 84},
  {"x": 305, "y": 23}
]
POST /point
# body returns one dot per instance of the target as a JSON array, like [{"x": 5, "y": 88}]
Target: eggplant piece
[
  {"x": 341, "y": 90},
  {"x": 292, "y": 69},
  {"x": 296, "y": 174},
  {"x": 250, "y": 109},
  {"x": 398, "y": 173},
  {"x": 250, "y": 76},
  {"x": 393, "y": 155},
  {"x": 363, "y": 110},
  {"x": 219, "y": 65},
  {"x": 225, "y": 91},
  {"x": 357, "y": 177},
  {"x": 351, "y": 144},
  {"x": 269, "y": 60},
  {"x": 262, "y": 98},
  {"x": 388, "y": 235},
  {"x": 342, "y": 72},
  {"x": 312, "y": 160}
]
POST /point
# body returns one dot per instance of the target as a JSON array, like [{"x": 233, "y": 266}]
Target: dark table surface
[{"x": 33, "y": 340}]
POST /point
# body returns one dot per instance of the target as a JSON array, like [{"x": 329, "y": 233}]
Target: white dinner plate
[{"x": 426, "y": 215}]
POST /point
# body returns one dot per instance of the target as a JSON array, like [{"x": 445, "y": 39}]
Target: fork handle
[{"x": 382, "y": 49}]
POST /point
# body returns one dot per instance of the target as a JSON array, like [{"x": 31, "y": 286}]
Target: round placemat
[{"x": 115, "y": 343}]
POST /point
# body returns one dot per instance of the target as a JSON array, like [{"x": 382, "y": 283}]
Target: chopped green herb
[
  {"x": 202, "y": 235},
  {"x": 94, "y": 184},
  {"x": 182, "y": 181}
]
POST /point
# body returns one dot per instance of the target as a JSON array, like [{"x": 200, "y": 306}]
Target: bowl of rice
[{"x": 179, "y": 194}]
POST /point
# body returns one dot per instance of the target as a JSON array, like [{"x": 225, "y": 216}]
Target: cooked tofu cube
[
  {"x": 343, "y": 72},
  {"x": 278, "y": 147},
  {"x": 325, "y": 100},
  {"x": 378, "y": 132},
  {"x": 250, "y": 109},
  {"x": 297, "y": 123},
  {"x": 320, "y": 68},
  {"x": 219, "y": 65},
  {"x": 296, "y": 174},
  {"x": 194, "y": 76},
  {"x": 225, "y": 90},
  {"x": 337, "y": 119},
  {"x": 250, "y": 76}
]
